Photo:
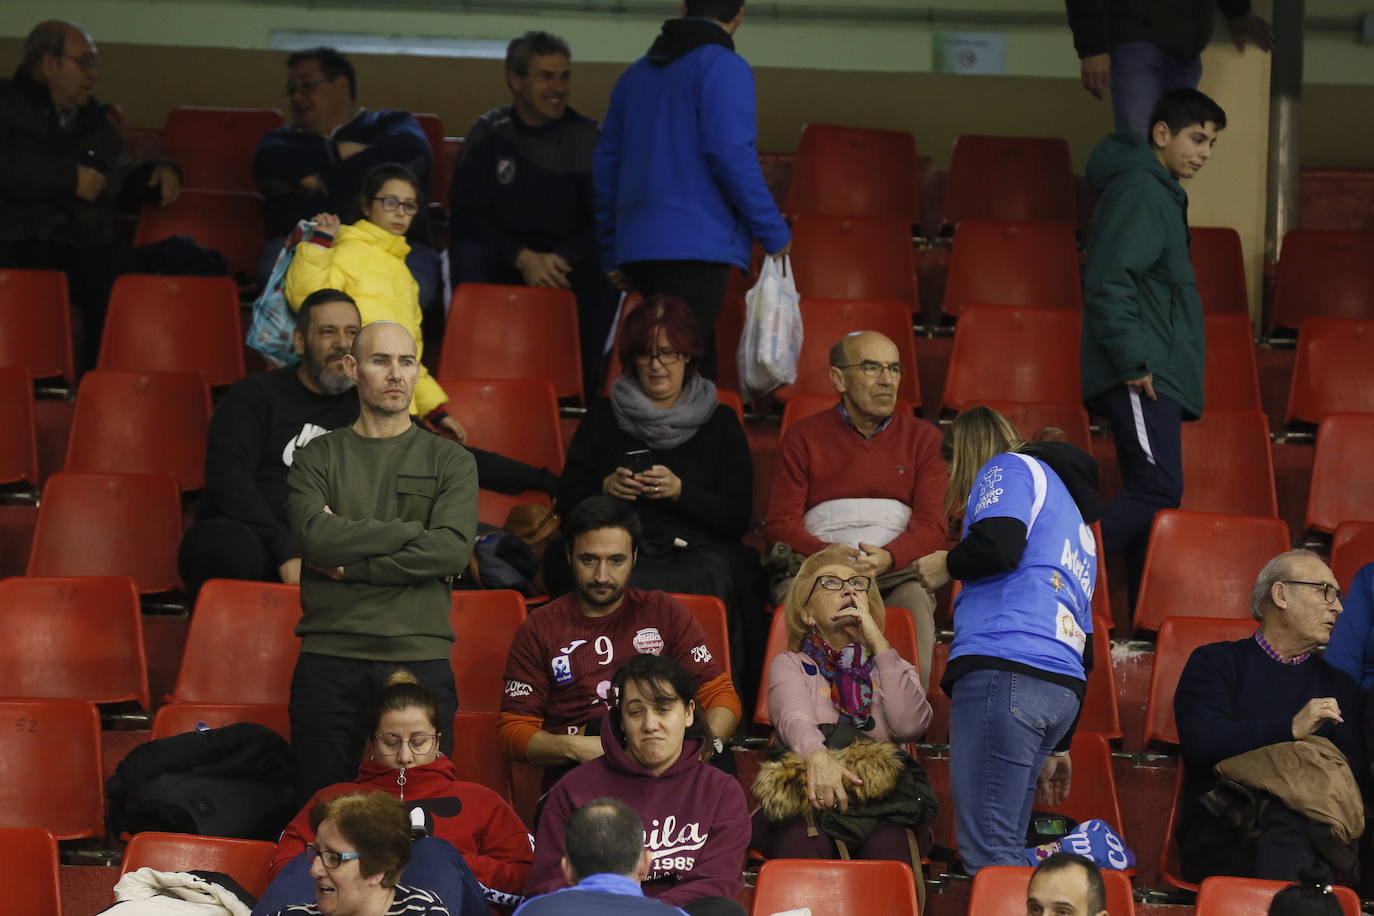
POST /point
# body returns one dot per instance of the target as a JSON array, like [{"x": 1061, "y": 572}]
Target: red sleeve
[
  {"x": 718, "y": 871},
  {"x": 787, "y": 497},
  {"x": 928, "y": 528},
  {"x": 504, "y": 853},
  {"x": 293, "y": 840},
  {"x": 546, "y": 875}
]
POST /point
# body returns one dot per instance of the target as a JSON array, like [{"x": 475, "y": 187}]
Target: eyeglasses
[
  {"x": 86, "y": 62},
  {"x": 1330, "y": 593},
  {"x": 872, "y": 369},
  {"x": 664, "y": 357},
  {"x": 304, "y": 86},
  {"x": 835, "y": 583},
  {"x": 392, "y": 204},
  {"x": 330, "y": 858},
  {"x": 419, "y": 744}
]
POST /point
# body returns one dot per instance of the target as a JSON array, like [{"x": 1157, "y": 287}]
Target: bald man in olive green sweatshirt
[{"x": 385, "y": 513}]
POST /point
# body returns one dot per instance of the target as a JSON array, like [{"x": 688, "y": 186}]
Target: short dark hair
[
  {"x": 389, "y": 171},
  {"x": 533, "y": 44},
  {"x": 44, "y": 40},
  {"x": 321, "y": 297},
  {"x": 604, "y": 837},
  {"x": 376, "y": 825},
  {"x": 602, "y": 511},
  {"x": 333, "y": 64},
  {"x": 1182, "y": 108},
  {"x": 720, "y": 10},
  {"x": 678, "y": 323},
  {"x": 663, "y": 679},
  {"x": 1310, "y": 896},
  {"x": 1097, "y": 891}
]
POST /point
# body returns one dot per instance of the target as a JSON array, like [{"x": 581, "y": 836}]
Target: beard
[
  {"x": 596, "y": 599},
  {"x": 329, "y": 380}
]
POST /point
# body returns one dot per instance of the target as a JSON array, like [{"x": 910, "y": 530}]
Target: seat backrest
[
  {"x": 1000, "y": 890},
  {"x": 484, "y": 623},
  {"x": 825, "y": 321},
  {"x": 117, "y": 414},
  {"x": 1178, "y": 637},
  {"x": 839, "y": 257},
  {"x": 513, "y": 332},
  {"x": 35, "y": 323},
  {"x": 1030, "y": 418},
  {"x": 213, "y": 147},
  {"x": 493, "y": 508},
  {"x": 109, "y": 525},
  {"x": 1094, "y": 784},
  {"x": 230, "y": 222},
  {"x": 1323, "y": 273},
  {"x": 1230, "y": 375},
  {"x": 178, "y": 718},
  {"x": 1227, "y": 896},
  {"x": 732, "y": 400},
  {"x": 174, "y": 324},
  {"x": 1042, "y": 366},
  {"x": 50, "y": 768},
  {"x": 801, "y": 406},
  {"x": 1331, "y": 370},
  {"x": 1100, "y": 712},
  {"x": 709, "y": 613},
  {"x": 1011, "y": 263},
  {"x": 854, "y": 171},
  {"x": 1010, "y": 178},
  {"x": 1219, "y": 265},
  {"x": 515, "y": 417},
  {"x": 1352, "y": 546},
  {"x": 241, "y": 646},
  {"x": 18, "y": 432},
  {"x": 1342, "y": 490},
  {"x": 246, "y": 861},
  {"x": 1229, "y": 464},
  {"x": 1236, "y": 548},
  {"x": 1170, "y": 871},
  {"x": 32, "y": 882},
  {"x": 829, "y": 887},
  {"x": 79, "y": 638},
  {"x": 477, "y": 754}
]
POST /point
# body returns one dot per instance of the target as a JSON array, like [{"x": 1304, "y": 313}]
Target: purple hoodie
[{"x": 695, "y": 817}]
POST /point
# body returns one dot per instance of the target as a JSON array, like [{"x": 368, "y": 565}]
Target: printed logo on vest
[
  {"x": 700, "y": 654},
  {"x": 562, "y": 669},
  {"x": 648, "y": 641},
  {"x": 517, "y": 689},
  {"x": 505, "y": 170}
]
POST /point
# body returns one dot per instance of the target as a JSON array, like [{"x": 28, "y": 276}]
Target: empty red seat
[
  {"x": 840, "y": 257},
  {"x": 1100, "y": 713},
  {"x": 141, "y": 423},
  {"x": 174, "y": 324},
  {"x": 826, "y": 321},
  {"x": 854, "y": 171},
  {"x": 1323, "y": 273},
  {"x": 31, "y": 870},
  {"x": 485, "y": 623},
  {"x": 230, "y": 222},
  {"x": 1011, "y": 263},
  {"x": 1000, "y": 890},
  {"x": 709, "y": 613},
  {"x": 1230, "y": 374},
  {"x": 242, "y": 644},
  {"x": 1014, "y": 354},
  {"x": 1170, "y": 871},
  {"x": 1334, "y": 369},
  {"x": 1342, "y": 490},
  {"x": 1219, "y": 264},
  {"x": 517, "y": 418},
  {"x": 18, "y": 434},
  {"x": 1352, "y": 546},
  {"x": 831, "y": 887},
  {"x": 246, "y": 861},
  {"x": 74, "y": 638},
  {"x": 477, "y": 753},
  {"x": 178, "y": 718},
  {"x": 109, "y": 525},
  {"x": 1030, "y": 418},
  {"x": 35, "y": 323},
  {"x": 50, "y": 768},
  {"x": 513, "y": 332},
  {"x": 1228, "y": 464},
  {"x": 1227, "y": 896},
  {"x": 1178, "y": 637},
  {"x": 1010, "y": 178},
  {"x": 1236, "y": 548},
  {"x": 214, "y": 147}
]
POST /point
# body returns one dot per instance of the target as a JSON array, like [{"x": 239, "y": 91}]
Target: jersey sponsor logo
[
  {"x": 1067, "y": 630},
  {"x": 666, "y": 839},
  {"x": 309, "y": 432},
  {"x": 562, "y": 669},
  {"x": 1086, "y": 540},
  {"x": 701, "y": 654},
  {"x": 517, "y": 689},
  {"x": 568, "y": 650},
  {"x": 505, "y": 170},
  {"x": 648, "y": 641},
  {"x": 1077, "y": 565},
  {"x": 988, "y": 490}
]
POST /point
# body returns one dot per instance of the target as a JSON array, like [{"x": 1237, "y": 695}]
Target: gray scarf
[{"x": 658, "y": 428}]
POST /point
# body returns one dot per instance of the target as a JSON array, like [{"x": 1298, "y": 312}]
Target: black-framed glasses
[
  {"x": 304, "y": 86},
  {"x": 87, "y": 62},
  {"x": 329, "y": 857},
  {"x": 835, "y": 583},
  {"x": 664, "y": 357},
  {"x": 1330, "y": 593},
  {"x": 392, "y": 204},
  {"x": 390, "y": 744},
  {"x": 872, "y": 369}
]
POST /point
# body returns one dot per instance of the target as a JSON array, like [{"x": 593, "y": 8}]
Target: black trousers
[
  {"x": 223, "y": 548},
  {"x": 330, "y": 700},
  {"x": 701, "y": 284},
  {"x": 1282, "y": 847}
]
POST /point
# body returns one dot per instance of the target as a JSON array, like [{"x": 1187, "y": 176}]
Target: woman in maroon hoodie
[{"x": 696, "y": 820}]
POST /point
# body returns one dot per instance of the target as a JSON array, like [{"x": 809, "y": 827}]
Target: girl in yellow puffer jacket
[{"x": 367, "y": 260}]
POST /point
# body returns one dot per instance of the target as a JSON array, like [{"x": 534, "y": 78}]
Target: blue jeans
[
  {"x": 1141, "y": 73},
  {"x": 1002, "y": 726}
]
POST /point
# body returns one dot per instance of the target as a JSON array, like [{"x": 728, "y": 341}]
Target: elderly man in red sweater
[{"x": 866, "y": 475}]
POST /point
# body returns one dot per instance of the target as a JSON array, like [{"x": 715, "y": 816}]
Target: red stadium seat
[
  {"x": 1230, "y": 375},
  {"x": 1219, "y": 264},
  {"x": 1352, "y": 546},
  {"x": 1341, "y": 487},
  {"x": 1003, "y": 263},
  {"x": 33, "y": 884},
  {"x": 35, "y": 323},
  {"x": 732, "y": 400},
  {"x": 1042, "y": 366},
  {"x": 230, "y": 222},
  {"x": 831, "y": 887},
  {"x": 242, "y": 644},
  {"x": 1178, "y": 637},
  {"x": 1030, "y": 418},
  {"x": 1000, "y": 890},
  {"x": 1323, "y": 273},
  {"x": 439, "y": 176},
  {"x": 513, "y": 332},
  {"x": 1236, "y": 548},
  {"x": 826, "y": 321},
  {"x": 838, "y": 257},
  {"x": 1100, "y": 713},
  {"x": 72, "y": 638},
  {"x": 1226, "y": 896},
  {"x": 117, "y": 412},
  {"x": 1228, "y": 464},
  {"x": 729, "y": 329},
  {"x": 178, "y": 718},
  {"x": 515, "y": 417},
  {"x": 1093, "y": 792},
  {"x": 109, "y": 525},
  {"x": 50, "y": 768},
  {"x": 214, "y": 146},
  {"x": 174, "y": 324},
  {"x": 485, "y": 623},
  {"x": 18, "y": 434},
  {"x": 246, "y": 861},
  {"x": 1010, "y": 178},
  {"x": 1170, "y": 871},
  {"x": 801, "y": 406},
  {"x": 854, "y": 171},
  {"x": 709, "y": 612},
  {"x": 477, "y": 753},
  {"x": 1333, "y": 371},
  {"x": 494, "y": 508}
]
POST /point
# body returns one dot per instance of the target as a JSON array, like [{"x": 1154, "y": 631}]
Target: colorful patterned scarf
[{"x": 850, "y": 673}]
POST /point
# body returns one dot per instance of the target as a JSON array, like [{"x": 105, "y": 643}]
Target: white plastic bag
[{"x": 772, "y": 338}]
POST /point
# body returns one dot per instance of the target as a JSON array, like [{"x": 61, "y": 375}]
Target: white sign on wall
[{"x": 982, "y": 53}]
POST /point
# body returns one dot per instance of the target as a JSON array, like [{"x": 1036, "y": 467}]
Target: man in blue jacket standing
[{"x": 679, "y": 191}]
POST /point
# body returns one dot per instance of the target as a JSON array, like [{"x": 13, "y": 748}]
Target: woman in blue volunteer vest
[{"x": 1022, "y": 623}]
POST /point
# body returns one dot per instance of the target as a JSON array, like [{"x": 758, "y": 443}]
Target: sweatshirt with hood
[
  {"x": 676, "y": 171},
  {"x": 696, "y": 821},
  {"x": 1142, "y": 312}
]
